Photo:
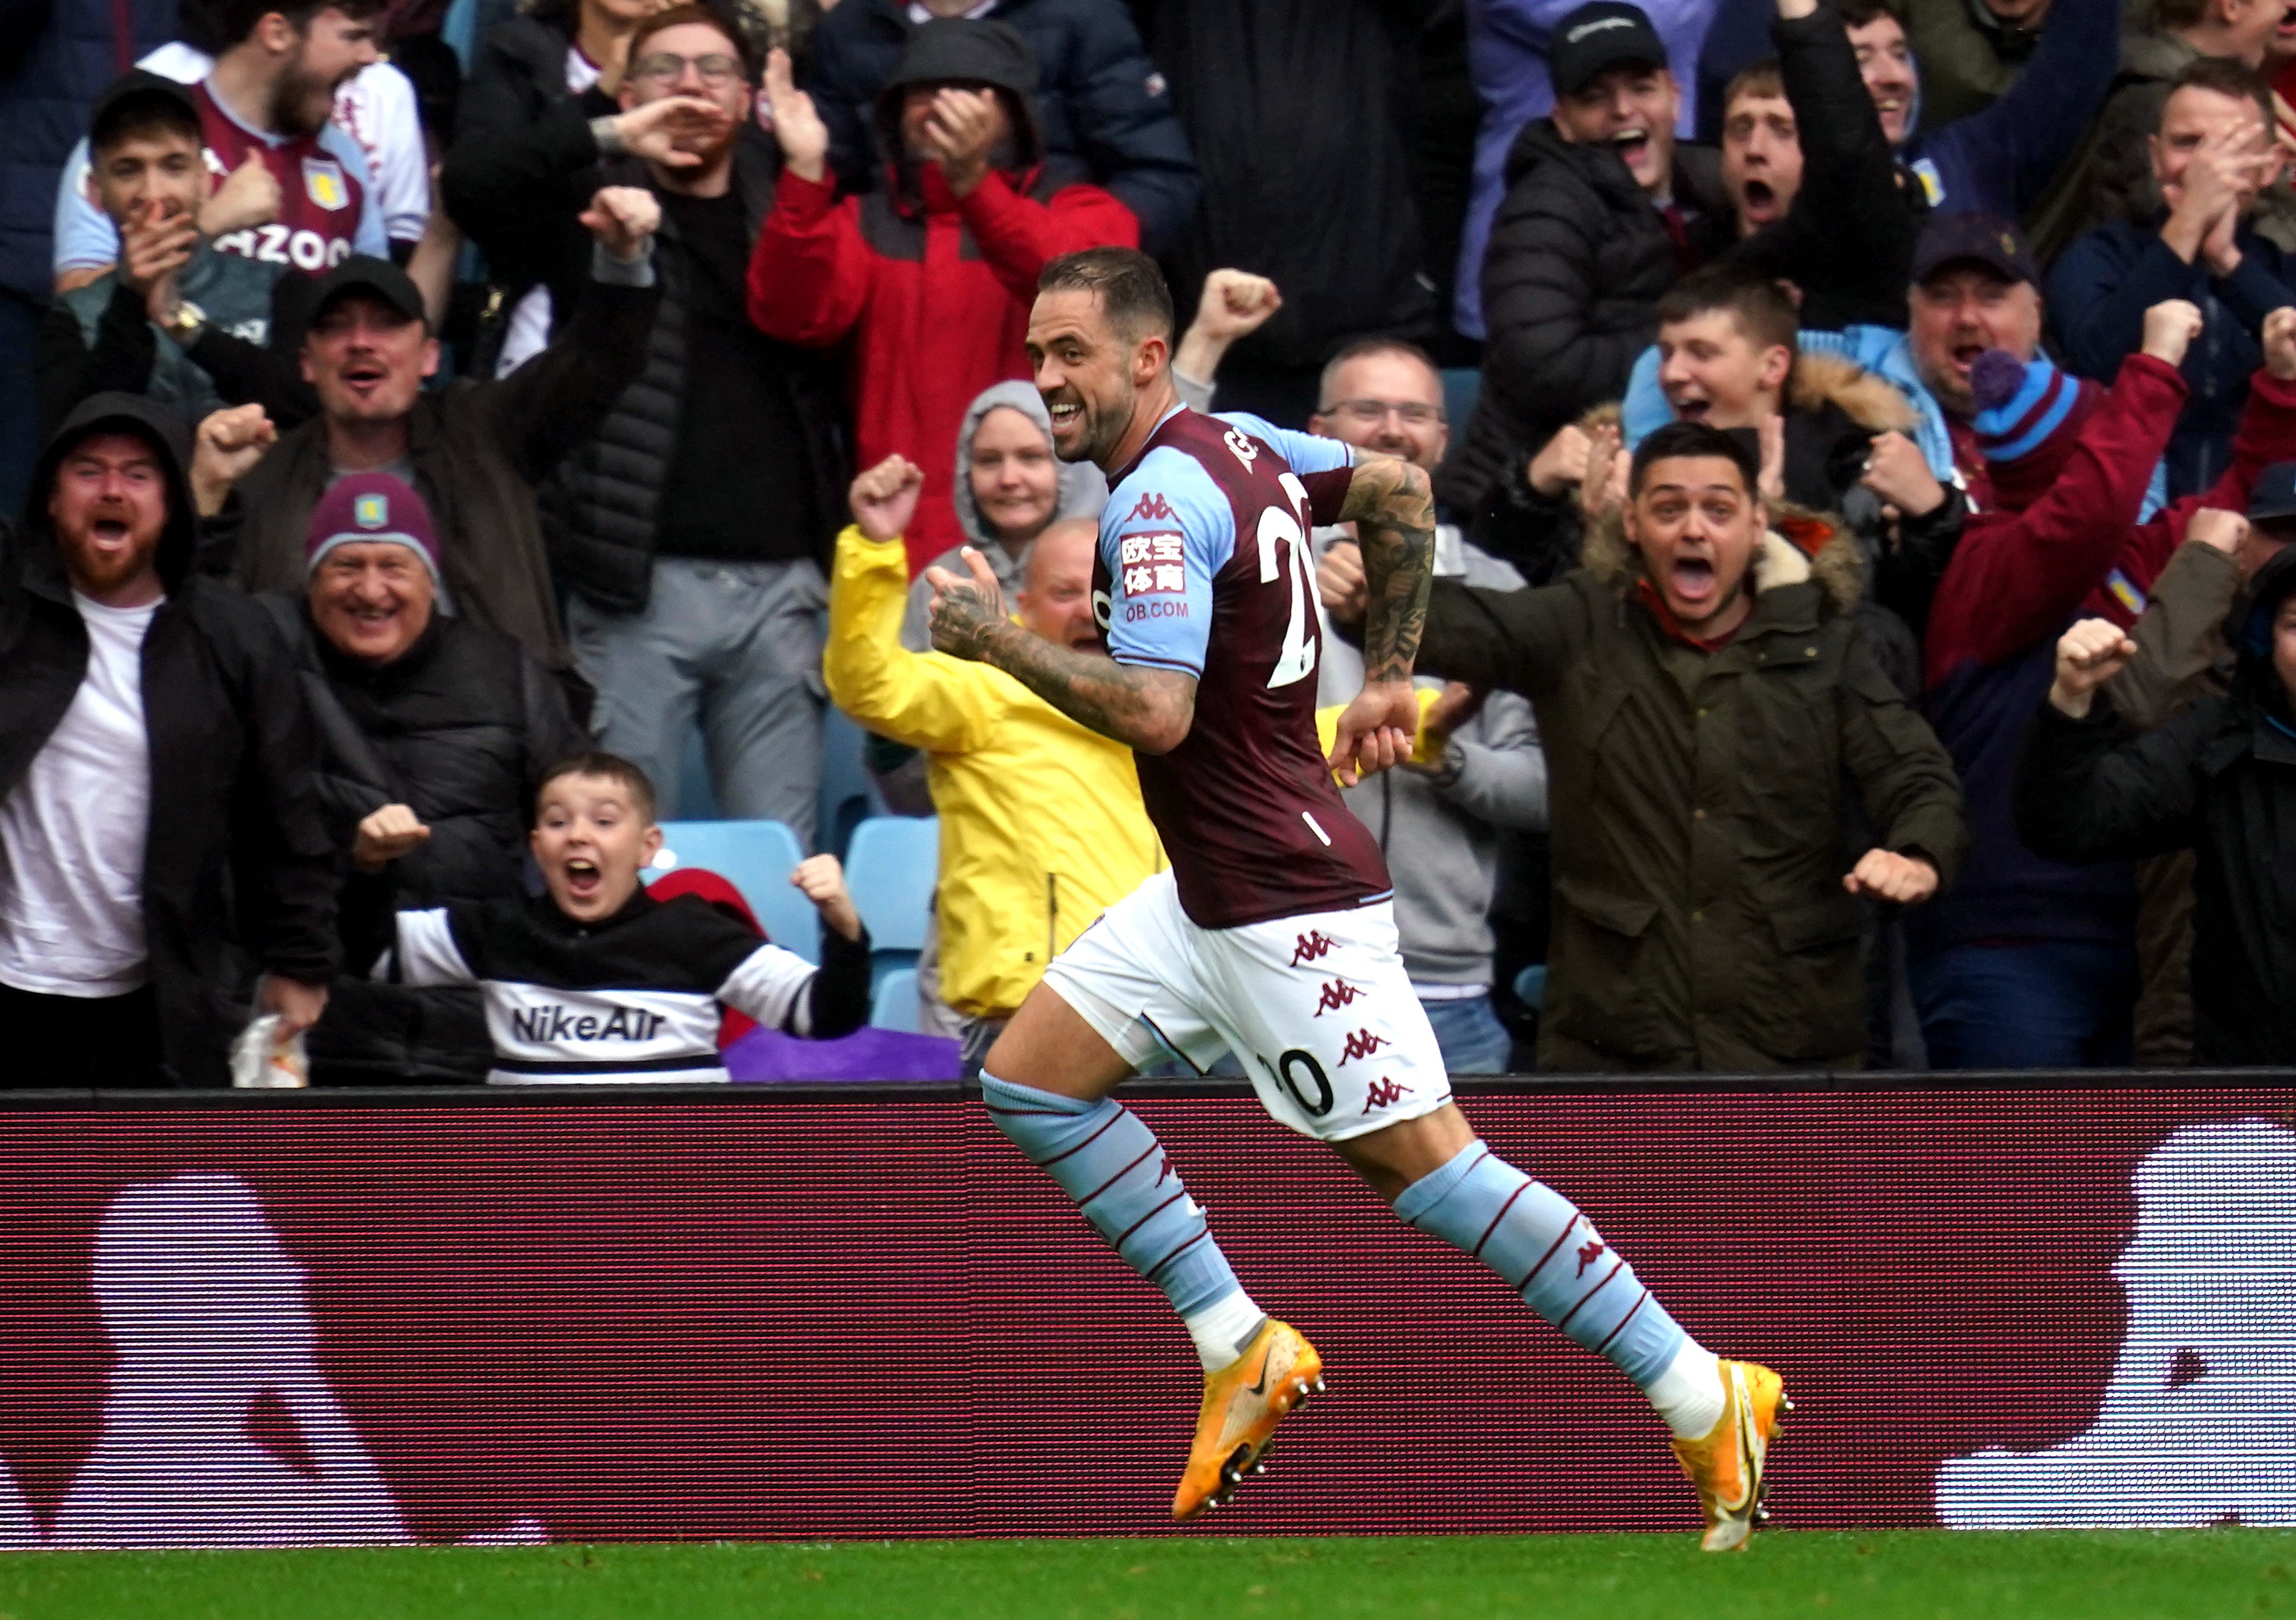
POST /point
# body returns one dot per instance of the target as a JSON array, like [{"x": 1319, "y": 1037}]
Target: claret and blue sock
[
  {"x": 1552, "y": 1257},
  {"x": 1108, "y": 1160}
]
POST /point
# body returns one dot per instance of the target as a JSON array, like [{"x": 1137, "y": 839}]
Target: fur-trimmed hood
[
  {"x": 1867, "y": 398},
  {"x": 1801, "y": 547}
]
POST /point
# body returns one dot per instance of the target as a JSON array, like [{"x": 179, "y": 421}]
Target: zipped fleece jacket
[
  {"x": 934, "y": 290},
  {"x": 1041, "y": 824},
  {"x": 238, "y": 875},
  {"x": 1698, "y": 804},
  {"x": 2015, "y": 582}
]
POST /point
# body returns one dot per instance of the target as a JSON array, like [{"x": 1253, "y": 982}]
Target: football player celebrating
[{"x": 1276, "y": 909}]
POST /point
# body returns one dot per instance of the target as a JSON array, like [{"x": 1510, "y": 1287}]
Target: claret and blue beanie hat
[
  {"x": 367, "y": 509},
  {"x": 2028, "y": 418}
]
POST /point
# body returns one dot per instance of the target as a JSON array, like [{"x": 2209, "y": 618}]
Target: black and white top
[{"x": 635, "y": 998}]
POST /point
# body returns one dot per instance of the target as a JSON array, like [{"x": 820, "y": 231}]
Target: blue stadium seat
[
  {"x": 756, "y": 857},
  {"x": 1461, "y": 385},
  {"x": 697, "y": 799},
  {"x": 849, "y": 795},
  {"x": 896, "y": 1003},
  {"x": 1530, "y": 986},
  {"x": 891, "y": 868}
]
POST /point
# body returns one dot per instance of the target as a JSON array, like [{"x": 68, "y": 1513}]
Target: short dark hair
[
  {"x": 2180, "y": 13},
  {"x": 1759, "y": 306},
  {"x": 1858, "y": 13},
  {"x": 1678, "y": 439},
  {"x": 2225, "y": 76},
  {"x": 145, "y": 116},
  {"x": 1764, "y": 78},
  {"x": 1132, "y": 291},
  {"x": 1364, "y": 349},
  {"x": 597, "y": 762},
  {"x": 708, "y": 16},
  {"x": 228, "y": 22}
]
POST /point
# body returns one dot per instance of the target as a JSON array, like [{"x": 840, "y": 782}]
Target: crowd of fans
[{"x": 1864, "y": 630}]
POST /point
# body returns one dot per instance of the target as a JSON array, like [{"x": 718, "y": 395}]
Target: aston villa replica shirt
[{"x": 1204, "y": 567}]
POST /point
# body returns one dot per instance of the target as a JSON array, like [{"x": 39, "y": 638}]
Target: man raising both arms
[{"x": 1276, "y": 910}]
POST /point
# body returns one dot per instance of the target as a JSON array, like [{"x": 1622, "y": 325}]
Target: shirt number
[{"x": 1298, "y": 659}]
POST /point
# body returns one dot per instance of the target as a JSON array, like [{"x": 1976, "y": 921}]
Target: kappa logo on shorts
[
  {"x": 1152, "y": 508},
  {"x": 1362, "y": 1044},
  {"x": 1588, "y": 1252},
  {"x": 1313, "y": 946},
  {"x": 1335, "y": 995},
  {"x": 1384, "y": 1094}
]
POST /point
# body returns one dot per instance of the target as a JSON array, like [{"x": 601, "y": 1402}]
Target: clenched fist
[
  {"x": 391, "y": 832},
  {"x": 2088, "y": 655},
  {"x": 821, "y": 880},
  {"x": 2169, "y": 328},
  {"x": 624, "y": 219},
  {"x": 1882, "y": 875},
  {"x": 884, "y": 497}
]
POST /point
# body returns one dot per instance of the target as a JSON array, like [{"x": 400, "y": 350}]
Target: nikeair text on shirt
[{"x": 548, "y": 1025}]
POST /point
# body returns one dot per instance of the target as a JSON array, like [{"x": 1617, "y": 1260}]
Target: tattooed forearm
[
  {"x": 1148, "y": 710},
  {"x": 1392, "y": 506}
]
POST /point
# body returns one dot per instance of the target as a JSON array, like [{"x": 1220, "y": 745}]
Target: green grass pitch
[{"x": 1931, "y": 1574}]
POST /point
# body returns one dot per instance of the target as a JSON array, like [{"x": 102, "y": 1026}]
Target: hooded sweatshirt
[
  {"x": 1083, "y": 492},
  {"x": 933, "y": 290},
  {"x": 237, "y": 875}
]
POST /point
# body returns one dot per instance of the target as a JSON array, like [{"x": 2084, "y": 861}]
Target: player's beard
[{"x": 1098, "y": 428}]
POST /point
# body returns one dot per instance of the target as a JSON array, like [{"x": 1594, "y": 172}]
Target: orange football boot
[
  {"x": 1243, "y": 1401},
  {"x": 1726, "y": 1465}
]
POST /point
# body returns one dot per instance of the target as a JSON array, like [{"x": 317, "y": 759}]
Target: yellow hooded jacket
[{"x": 1041, "y": 823}]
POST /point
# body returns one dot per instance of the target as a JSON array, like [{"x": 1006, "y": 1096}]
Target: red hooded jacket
[{"x": 936, "y": 298}]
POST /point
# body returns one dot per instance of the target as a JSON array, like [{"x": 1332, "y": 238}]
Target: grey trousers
[{"x": 733, "y": 646}]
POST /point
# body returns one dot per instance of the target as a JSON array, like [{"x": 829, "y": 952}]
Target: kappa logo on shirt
[
  {"x": 547, "y": 1025},
  {"x": 1244, "y": 450},
  {"x": 1151, "y": 508},
  {"x": 1154, "y": 563}
]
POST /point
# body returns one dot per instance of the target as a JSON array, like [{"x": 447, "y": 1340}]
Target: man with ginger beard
[
  {"x": 127, "y": 684},
  {"x": 1704, "y": 912},
  {"x": 690, "y": 527}
]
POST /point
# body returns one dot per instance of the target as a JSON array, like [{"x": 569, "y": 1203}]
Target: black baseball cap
[
  {"x": 364, "y": 273},
  {"x": 138, "y": 84},
  {"x": 2273, "y": 496},
  {"x": 1974, "y": 239},
  {"x": 1599, "y": 34}
]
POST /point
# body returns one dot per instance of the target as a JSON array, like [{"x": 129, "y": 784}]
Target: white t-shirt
[{"x": 72, "y": 832}]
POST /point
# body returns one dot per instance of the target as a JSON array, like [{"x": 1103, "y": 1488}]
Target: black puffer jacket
[
  {"x": 460, "y": 728},
  {"x": 521, "y": 193},
  {"x": 1578, "y": 259},
  {"x": 237, "y": 876},
  {"x": 2219, "y": 778}
]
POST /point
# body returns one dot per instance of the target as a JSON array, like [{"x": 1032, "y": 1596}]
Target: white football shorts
[{"x": 1317, "y": 1008}]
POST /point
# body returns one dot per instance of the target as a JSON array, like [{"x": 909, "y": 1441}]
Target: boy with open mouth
[{"x": 595, "y": 981}]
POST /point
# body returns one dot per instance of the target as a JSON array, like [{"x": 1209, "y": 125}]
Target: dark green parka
[{"x": 1699, "y": 805}]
